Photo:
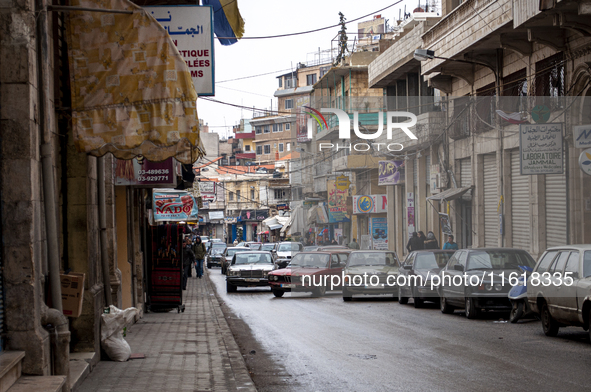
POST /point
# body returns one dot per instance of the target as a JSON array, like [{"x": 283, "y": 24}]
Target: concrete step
[
  {"x": 39, "y": 384},
  {"x": 79, "y": 369},
  {"x": 10, "y": 368}
]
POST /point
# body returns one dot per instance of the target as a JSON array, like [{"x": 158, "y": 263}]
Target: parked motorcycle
[{"x": 520, "y": 308}]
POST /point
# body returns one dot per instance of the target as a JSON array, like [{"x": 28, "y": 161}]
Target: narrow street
[{"x": 325, "y": 344}]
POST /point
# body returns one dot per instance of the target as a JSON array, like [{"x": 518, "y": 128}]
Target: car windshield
[
  {"x": 431, "y": 260},
  {"x": 232, "y": 252},
  {"x": 267, "y": 246},
  {"x": 499, "y": 260},
  {"x": 587, "y": 264},
  {"x": 288, "y": 247},
  {"x": 371, "y": 258},
  {"x": 255, "y": 246},
  {"x": 253, "y": 258},
  {"x": 310, "y": 248},
  {"x": 216, "y": 250},
  {"x": 309, "y": 260}
]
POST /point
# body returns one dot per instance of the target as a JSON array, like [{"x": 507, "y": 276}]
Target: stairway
[{"x": 11, "y": 379}]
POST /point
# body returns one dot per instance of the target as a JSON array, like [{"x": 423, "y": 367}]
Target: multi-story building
[
  {"x": 497, "y": 62},
  {"x": 273, "y": 137}
]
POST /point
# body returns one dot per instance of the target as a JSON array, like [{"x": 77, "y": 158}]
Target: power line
[
  {"x": 253, "y": 76},
  {"x": 316, "y": 30}
]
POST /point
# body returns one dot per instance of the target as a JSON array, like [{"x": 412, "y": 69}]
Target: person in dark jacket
[
  {"x": 415, "y": 243},
  {"x": 431, "y": 242},
  {"x": 188, "y": 260},
  {"x": 199, "y": 249}
]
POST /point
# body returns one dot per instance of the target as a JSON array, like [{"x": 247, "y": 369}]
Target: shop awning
[
  {"x": 450, "y": 194},
  {"x": 132, "y": 92}
]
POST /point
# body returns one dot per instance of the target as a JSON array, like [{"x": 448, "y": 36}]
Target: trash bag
[{"x": 112, "y": 325}]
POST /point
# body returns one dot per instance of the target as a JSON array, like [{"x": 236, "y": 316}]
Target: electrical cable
[{"x": 316, "y": 30}]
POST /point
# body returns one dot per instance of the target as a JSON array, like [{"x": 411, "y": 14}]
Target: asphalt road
[{"x": 376, "y": 344}]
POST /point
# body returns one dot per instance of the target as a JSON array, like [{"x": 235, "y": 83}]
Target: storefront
[
  {"x": 371, "y": 212},
  {"x": 251, "y": 220}
]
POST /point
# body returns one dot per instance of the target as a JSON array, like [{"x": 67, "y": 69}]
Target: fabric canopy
[
  {"x": 450, "y": 194},
  {"x": 132, "y": 92}
]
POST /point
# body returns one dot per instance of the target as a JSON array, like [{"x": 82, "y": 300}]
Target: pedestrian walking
[
  {"x": 353, "y": 244},
  {"x": 415, "y": 243},
  {"x": 188, "y": 260},
  {"x": 431, "y": 242},
  {"x": 450, "y": 244},
  {"x": 200, "y": 251}
]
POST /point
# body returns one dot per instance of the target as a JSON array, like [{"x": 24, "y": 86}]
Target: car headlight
[
  {"x": 488, "y": 287},
  {"x": 498, "y": 287},
  {"x": 233, "y": 272}
]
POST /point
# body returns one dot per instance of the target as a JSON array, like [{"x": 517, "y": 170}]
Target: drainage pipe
[
  {"x": 102, "y": 210},
  {"x": 61, "y": 340}
]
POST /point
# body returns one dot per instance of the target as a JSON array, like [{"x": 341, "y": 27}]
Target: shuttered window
[
  {"x": 491, "y": 221},
  {"x": 520, "y": 224}
]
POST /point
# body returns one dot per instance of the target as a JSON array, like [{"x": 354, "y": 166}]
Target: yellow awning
[{"x": 132, "y": 92}]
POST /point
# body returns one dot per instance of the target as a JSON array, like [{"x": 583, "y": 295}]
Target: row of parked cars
[{"x": 556, "y": 288}]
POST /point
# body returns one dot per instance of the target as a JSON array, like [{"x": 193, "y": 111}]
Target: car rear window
[{"x": 499, "y": 260}]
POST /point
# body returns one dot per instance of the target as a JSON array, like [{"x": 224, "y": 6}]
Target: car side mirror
[
  {"x": 407, "y": 267},
  {"x": 459, "y": 267}
]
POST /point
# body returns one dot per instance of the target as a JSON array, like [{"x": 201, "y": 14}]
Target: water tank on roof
[{"x": 419, "y": 9}]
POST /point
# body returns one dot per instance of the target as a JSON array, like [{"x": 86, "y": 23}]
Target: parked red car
[{"x": 315, "y": 264}]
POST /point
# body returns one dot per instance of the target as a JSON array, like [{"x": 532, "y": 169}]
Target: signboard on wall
[
  {"x": 410, "y": 211},
  {"x": 379, "y": 233},
  {"x": 390, "y": 173},
  {"x": 191, "y": 29},
  {"x": 145, "y": 173},
  {"x": 337, "y": 203},
  {"x": 540, "y": 148},
  {"x": 207, "y": 190},
  {"x": 370, "y": 204},
  {"x": 582, "y": 136}
]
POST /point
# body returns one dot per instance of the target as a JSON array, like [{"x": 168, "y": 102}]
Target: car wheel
[
  {"x": 549, "y": 325},
  {"x": 471, "y": 310},
  {"x": 401, "y": 300},
  {"x": 319, "y": 291},
  {"x": 278, "y": 293},
  {"x": 418, "y": 302},
  {"x": 347, "y": 295},
  {"x": 230, "y": 288},
  {"x": 516, "y": 311},
  {"x": 444, "y": 306}
]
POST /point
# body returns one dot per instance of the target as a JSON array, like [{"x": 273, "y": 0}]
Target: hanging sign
[{"x": 174, "y": 206}]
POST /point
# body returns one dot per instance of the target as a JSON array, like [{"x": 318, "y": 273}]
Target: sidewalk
[{"x": 190, "y": 351}]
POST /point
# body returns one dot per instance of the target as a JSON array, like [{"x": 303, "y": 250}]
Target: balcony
[
  {"x": 473, "y": 23},
  {"x": 355, "y": 162}
]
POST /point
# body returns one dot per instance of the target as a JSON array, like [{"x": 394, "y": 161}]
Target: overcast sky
[{"x": 278, "y": 55}]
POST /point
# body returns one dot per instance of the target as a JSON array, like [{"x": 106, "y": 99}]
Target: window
[
  {"x": 550, "y": 76},
  {"x": 287, "y": 126},
  {"x": 323, "y": 70},
  {"x": 258, "y": 130},
  {"x": 310, "y": 79},
  {"x": 572, "y": 265},
  {"x": 274, "y": 146},
  {"x": 289, "y": 104},
  {"x": 252, "y": 194},
  {"x": 279, "y": 194},
  {"x": 246, "y": 148},
  {"x": 558, "y": 265},
  {"x": 280, "y": 127},
  {"x": 275, "y": 127},
  {"x": 587, "y": 264},
  {"x": 514, "y": 88},
  {"x": 545, "y": 262},
  {"x": 259, "y": 150},
  {"x": 287, "y": 82},
  {"x": 280, "y": 82},
  {"x": 266, "y": 129},
  {"x": 280, "y": 147},
  {"x": 267, "y": 148},
  {"x": 485, "y": 107},
  {"x": 231, "y": 196},
  {"x": 288, "y": 146},
  {"x": 238, "y": 195}
]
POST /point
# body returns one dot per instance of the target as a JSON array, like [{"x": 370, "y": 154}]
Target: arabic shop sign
[
  {"x": 582, "y": 136},
  {"x": 370, "y": 204},
  {"x": 337, "y": 202},
  {"x": 253, "y": 215},
  {"x": 191, "y": 29},
  {"x": 342, "y": 183},
  {"x": 540, "y": 148}
]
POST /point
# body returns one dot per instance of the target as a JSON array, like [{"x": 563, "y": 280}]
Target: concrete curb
[{"x": 241, "y": 374}]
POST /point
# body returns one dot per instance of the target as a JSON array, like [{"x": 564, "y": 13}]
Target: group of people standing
[
  {"x": 193, "y": 256},
  {"x": 418, "y": 241}
]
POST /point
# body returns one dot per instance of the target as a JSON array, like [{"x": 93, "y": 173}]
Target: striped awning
[{"x": 132, "y": 92}]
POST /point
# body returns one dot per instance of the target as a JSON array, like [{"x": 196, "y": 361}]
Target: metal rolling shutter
[
  {"x": 520, "y": 224},
  {"x": 556, "y": 199},
  {"x": 466, "y": 176},
  {"x": 491, "y": 221}
]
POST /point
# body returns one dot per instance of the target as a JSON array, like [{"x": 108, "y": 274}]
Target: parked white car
[{"x": 559, "y": 289}]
